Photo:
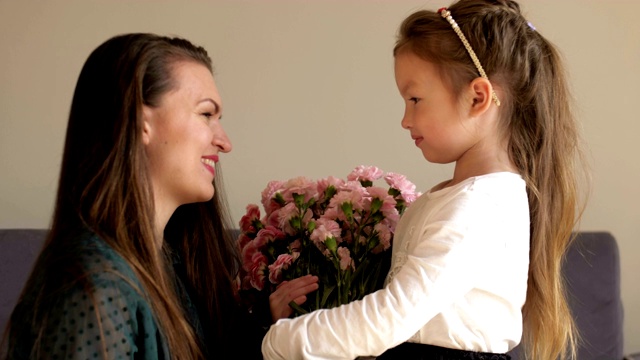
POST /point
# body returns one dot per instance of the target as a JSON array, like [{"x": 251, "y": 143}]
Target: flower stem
[{"x": 297, "y": 308}]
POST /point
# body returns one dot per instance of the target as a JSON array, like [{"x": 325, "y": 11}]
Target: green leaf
[{"x": 326, "y": 292}]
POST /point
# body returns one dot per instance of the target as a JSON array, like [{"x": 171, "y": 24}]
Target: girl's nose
[{"x": 405, "y": 123}]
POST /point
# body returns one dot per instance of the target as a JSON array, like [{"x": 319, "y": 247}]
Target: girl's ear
[
  {"x": 480, "y": 89},
  {"x": 147, "y": 116}
]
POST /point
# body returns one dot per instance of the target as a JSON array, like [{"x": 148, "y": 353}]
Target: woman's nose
[{"x": 221, "y": 140}]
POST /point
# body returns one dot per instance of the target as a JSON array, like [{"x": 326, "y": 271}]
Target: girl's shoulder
[
  {"x": 479, "y": 198},
  {"x": 494, "y": 183}
]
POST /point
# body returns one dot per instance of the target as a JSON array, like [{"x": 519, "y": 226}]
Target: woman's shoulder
[
  {"x": 100, "y": 306},
  {"x": 96, "y": 272},
  {"x": 101, "y": 261}
]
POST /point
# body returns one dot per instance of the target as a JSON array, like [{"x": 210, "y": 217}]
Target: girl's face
[
  {"x": 183, "y": 137},
  {"x": 433, "y": 114}
]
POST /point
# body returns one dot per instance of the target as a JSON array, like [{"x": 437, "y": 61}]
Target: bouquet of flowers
[{"x": 340, "y": 231}]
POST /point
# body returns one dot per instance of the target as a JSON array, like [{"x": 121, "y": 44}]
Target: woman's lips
[{"x": 209, "y": 163}]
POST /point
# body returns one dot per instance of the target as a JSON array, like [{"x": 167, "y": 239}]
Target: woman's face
[{"x": 183, "y": 137}]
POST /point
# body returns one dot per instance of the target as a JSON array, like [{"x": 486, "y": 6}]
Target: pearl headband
[{"x": 447, "y": 15}]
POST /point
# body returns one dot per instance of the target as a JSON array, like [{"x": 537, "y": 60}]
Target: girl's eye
[{"x": 414, "y": 100}]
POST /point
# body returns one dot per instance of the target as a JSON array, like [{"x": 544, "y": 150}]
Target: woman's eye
[{"x": 208, "y": 115}]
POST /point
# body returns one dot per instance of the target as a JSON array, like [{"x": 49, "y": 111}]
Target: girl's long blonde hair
[{"x": 544, "y": 141}]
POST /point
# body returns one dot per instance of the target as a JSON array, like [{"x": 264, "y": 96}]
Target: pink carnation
[
  {"x": 248, "y": 252},
  {"x": 257, "y": 268},
  {"x": 409, "y": 198},
  {"x": 352, "y": 197},
  {"x": 273, "y": 218},
  {"x": 268, "y": 193},
  {"x": 285, "y": 214},
  {"x": 243, "y": 240},
  {"x": 288, "y": 212},
  {"x": 301, "y": 186},
  {"x": 354, "y": 186},
  {"x": 384, "y": 234},
  {"x": 333, "y": 213},
  {"x": 246, "y": 222},
  {"x": 388, "y": 202},
  {"x": 365, "y": 173},
  {"x": 269, "y": 234},
  {"x": 400, "y": 183},
  {"x": 275, "y": 270},
  {"x": 323, "y": 184},
  {"x": 325, "y": 228},
  {"x": 345, "y": 258}
]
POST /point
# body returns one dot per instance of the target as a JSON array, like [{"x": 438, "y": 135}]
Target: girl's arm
[{"x": 436, "y": 272}]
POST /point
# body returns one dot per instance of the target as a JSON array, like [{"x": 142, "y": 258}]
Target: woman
[{"x": 139, "y": 261}]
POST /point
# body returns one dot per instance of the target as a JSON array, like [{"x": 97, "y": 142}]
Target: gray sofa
[{"x": 592, "y": 269}]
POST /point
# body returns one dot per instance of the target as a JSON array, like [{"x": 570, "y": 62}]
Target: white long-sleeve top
[{"x": 458, "y": 279}]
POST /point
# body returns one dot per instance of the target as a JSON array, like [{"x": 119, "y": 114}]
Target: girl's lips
[{"x": 418, "y": 141}]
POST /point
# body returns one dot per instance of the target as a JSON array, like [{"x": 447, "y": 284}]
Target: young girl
[
  {"x": 479, "y": 255},
  {"x": 138, "y": 262}
]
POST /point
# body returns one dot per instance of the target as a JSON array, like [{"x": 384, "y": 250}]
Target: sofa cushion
[
  {"x": 592, "y": 272},
  {"x": 593, "y": 282},
  {"x": 18, "y": 251}
]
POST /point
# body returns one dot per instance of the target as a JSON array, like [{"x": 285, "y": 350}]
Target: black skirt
[{"x": 414, "y": 351}]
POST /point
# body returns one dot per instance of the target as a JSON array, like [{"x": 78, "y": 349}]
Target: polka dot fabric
[{"x": 108, "y": 318}]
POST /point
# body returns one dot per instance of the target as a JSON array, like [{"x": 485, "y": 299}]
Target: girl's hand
[{"x": 293, "y": 290}]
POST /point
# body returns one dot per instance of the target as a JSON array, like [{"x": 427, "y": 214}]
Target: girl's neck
[{"x": 482, "y": 162}]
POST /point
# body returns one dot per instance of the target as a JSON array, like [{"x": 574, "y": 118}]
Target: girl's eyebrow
[{"x": 408, "y": 86}]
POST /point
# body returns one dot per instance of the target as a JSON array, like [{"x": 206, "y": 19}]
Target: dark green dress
[{"x": 106, "y": 314}]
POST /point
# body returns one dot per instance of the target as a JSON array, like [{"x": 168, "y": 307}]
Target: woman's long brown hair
[
  {"x": 543, "y": 141},
  {"x": 104, "y": 187}
]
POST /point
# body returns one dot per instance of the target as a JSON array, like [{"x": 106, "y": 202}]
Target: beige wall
[{"x": 308, "y": 89}]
